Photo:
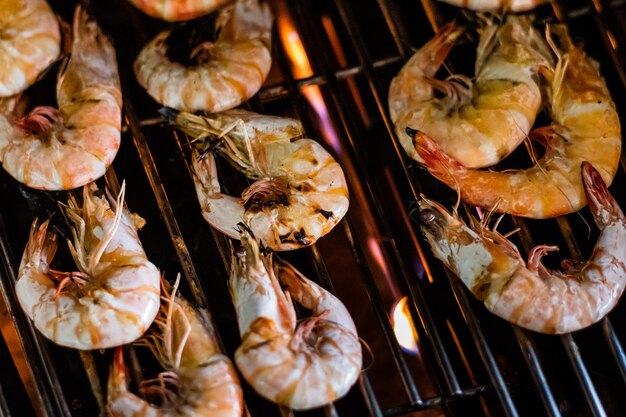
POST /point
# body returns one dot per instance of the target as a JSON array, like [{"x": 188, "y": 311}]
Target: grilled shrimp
[
  {"x": 299, "y": 191},
  {"x": 303, "y": 366},
  {"x": 528, "y": 294},
  {"x": 199, "y": 381},
  {"x": 585, "y": 127},
  {"x": 66, "y": 148},
  {"x": 29, "y": 41},
  {"x": 497, "y": 5},
  {"x": 114, "y": 295},
  {"x": 223, "y": 74},
  {"x": 176, "y": 10},
  {"x": 476, "y": 123}
]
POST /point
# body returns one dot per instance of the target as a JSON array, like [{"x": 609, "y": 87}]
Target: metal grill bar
[
  {"x": 418, "y": 303},
  {"x": 280, "y": 90},
  {"x": 392, "y": 20},
  {"x": 615, "y": 346},
  {"x": 571, "y": 348},
  {"x": 47, "y": 386},
  {"x": 370, "y": 397},
  {"x": 167, "y": 214},
  {"x": 483, "y": 348},
  {"x": 165, "y": 207},
  {"x": 495, "y": 375},
  {"x": 583, "y": 376},
  {"x": 405, "y": 374},
  {"x": 605, "y": 27},
  {"x": 536, "y": 370},
  {"x": 4, "y": 407},
  {"x": 373, "y": 292}
]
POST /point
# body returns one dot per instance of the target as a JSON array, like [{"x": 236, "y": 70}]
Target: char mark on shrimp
[
  {"x": 325, "y": 213},
  {"x": 301, "y": 238}
]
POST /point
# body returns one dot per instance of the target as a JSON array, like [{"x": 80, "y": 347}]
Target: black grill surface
[{"x": 468, "y": 362}]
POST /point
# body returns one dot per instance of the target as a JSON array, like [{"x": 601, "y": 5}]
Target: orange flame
[
  {"x": 403, "y": 326},
  {"x": 290, "y": 38},
  {"x": 301, "y": 68}
]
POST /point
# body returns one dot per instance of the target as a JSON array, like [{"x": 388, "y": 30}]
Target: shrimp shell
[
  {"x": 236, "y": 67},
  {"x": 586, "y": 127},
  {"x": 299, "y": 191},
  {"x": 203, "y": 379},
  {"x": 115, "y": 295},
  {"x": 528, "y": 294},
  {"x": 303, "y": 366},
  {"x": 478, "y": 123},
  {"x": 29, "y": 41},
  {"x": 177, "y": 10},
  {"x": 66, "y": 148},
  {"x": 497, "y": 5}
]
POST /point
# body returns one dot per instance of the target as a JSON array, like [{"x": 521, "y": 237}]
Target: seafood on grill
[
  {"x": 301, "y": 366},
  {"x": 198, "y": 381},
  {"x": 113, "y": 297},
  {"x": 30, "y": 40},
  {"x": 529, "y": 294},
  {"x": 177, "y": 10},
  {"x": 217, "y": 75},
  {"x": 585, "y": 127},
  {"x": 497, "y": 5},
  {"x": 65, "y": 148},
  {"x": 299, "y": 191},
  {"x": 476, "y": 122}
]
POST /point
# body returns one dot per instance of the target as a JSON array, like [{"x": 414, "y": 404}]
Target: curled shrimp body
[
  {"x": 585, "y": 127},
  {"x": 177, "y": 10},
  {"x": 223, "y": 74},
  {"x": 112, "y": 298},
  {"x": 198, "y": 381},
  {"x": 299, "y": 191},
  {"x": 528, "y": 294},
  {"x": 303, "y": 366},
  {"x": 66, "y": 148},
  {"x": 497, "y": 5},
  {"x": 29, "y": 41},
  {"x": 480, "y": 122}
]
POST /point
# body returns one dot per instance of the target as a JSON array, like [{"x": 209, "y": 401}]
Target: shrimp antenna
[
  {"x": 248, "y": 143},
  {"x": 369, "y": 350},
  {"x": 102, "y": 245},
  {"x": 455, "y": 209},
  {"x": 512, "y": 232},
  {"x": 170, "y": 313},
  {"x": 531, "y": 152},
  {"x": 497, "y": 223}
]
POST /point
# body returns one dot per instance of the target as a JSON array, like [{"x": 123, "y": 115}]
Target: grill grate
[{"x": 468, "y": 362}]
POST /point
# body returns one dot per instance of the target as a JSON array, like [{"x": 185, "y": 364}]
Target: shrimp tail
[
  {"x": 86, "y": 32},
  {"x": 92, "y": 55},
  {"x": 117, "y": 375},
  {"x": 438, "y": 48},
  {"x": 438, "y": 163},
  {"x": 41, "y": 246},
  {"x": 603, "y": 206}
]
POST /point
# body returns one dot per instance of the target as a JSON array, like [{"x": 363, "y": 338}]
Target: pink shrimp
[{"x": 529, "y": 294}]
